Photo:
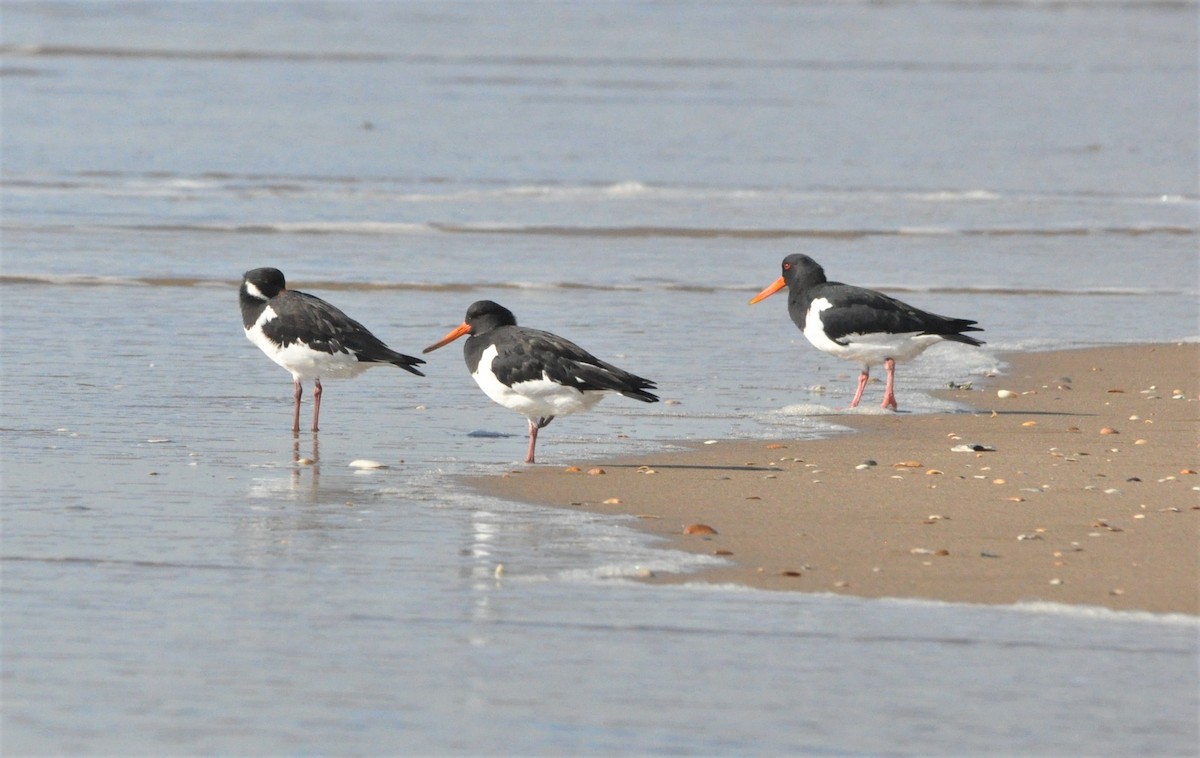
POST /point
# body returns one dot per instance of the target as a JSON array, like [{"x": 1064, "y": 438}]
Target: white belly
[
  {"x": 302, "y": 361},
  {"x": 534, "y": 399},
  {"x": 866, "y": 349}
]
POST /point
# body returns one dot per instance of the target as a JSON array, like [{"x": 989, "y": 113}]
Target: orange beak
[
  {"x": 776, "y": 285},
  {"x": 458, "y": 331}
]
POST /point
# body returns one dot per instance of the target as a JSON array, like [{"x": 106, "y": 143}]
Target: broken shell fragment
[{"x": 699, "y": 529}]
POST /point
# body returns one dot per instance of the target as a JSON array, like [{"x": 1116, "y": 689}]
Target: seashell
[
  {"x": 596, "y": 472},
  {"x": 699, "y": 529},
  {"x": 1005, "y": 394},
  {"x": 572, "y": 470},
  {"x": 364, "y": 463},
  {"x": 613, "y": 501},
  {"x": 1029, "y": 423},
  {"x": 907, "y": 464},
  {"x": 1109, "y": 430},
  {"x": 934, "y": 471}
]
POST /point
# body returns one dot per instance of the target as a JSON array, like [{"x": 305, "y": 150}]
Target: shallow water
[{"x": 627, "y": 175}]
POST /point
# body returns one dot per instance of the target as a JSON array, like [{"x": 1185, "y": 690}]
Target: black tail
[
  {"x": 637, "y": 389},
  {"x": 406, "y": 362},
  {"x": 956, "y": 326}
]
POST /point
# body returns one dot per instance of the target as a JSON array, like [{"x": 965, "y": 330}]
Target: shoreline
[{"x": 1089, "y": 496}]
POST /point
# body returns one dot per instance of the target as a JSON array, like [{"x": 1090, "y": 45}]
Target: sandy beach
[{"x": 1083, "y": 490}]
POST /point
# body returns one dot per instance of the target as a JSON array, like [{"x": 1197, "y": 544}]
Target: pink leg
[
  {"x": 316, "y": 404},
  {"x": 889, "y": 395},
  {"x": 299, "y": 393},
  {"x": 533, "y": 430},
  {"x": 862, "y": 385}
]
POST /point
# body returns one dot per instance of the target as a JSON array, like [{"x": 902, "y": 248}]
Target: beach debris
[
  {"x": 646, "y": 470},
  {"x": 841, "y": 583},
  {"x": 499, "y": 572},
  {"x": 596, "y": 472},
  {"x": 612, "y": 501},
  {"x": 710, "y": 442},
  {"x": 157, "y": 440},
  {"x": 1028, "y": 536},
  {"x": 1056, "y": 581},
  {"x": 1108, "y": 430},
  {"x": 722, "y": 552},
  {"x": 1029, "y": 423},
  {"x": 366, "y": 464},
  {"x": 986, "y": 554},
  {"x": 776, "y": 446},
  {"x": 907, "y": 464},
  {"x": 958, "y": 385},
  {"x": 702, "y": 529},
  {"x": 972, "y": 447},
  {"x": 1005, "y": 394},
  {"x": 790, "y": 572},
  {"x": 934, "y": 472},
  {"x": 644, "y": 573},
  {"x": 671, "y": 401},
  {"x": 1141, "y": 442},
  {"x": 304, "y": 462},
  {"x": 927, "y": 551},
  {"x": 1015, "y": 499},
  {"x": 572, "y": 470},
  {"x": 1188, "y": 471},
  {"x": 998, "y": 481}
]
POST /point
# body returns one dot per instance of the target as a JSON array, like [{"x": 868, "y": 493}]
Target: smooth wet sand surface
[{"x": 1089, "y": 496}]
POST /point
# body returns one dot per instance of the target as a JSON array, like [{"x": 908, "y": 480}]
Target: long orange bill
[
  {"x": 459, "y": 331},
  {"x": 776, "y": 285}
]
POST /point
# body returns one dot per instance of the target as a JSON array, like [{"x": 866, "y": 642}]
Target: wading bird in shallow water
[
  {"x": 309, "y": 337},
  {"x": 537, "y": 374},
  {"x": 859, "y": 324}
]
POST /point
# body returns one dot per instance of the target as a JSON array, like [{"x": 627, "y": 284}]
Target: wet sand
[{"x": 1090, "y": 495}]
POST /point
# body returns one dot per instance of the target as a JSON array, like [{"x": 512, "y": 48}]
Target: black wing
[
  {"x": 527, "y": 354},
  {"x": 863, "y": 311},
  {"x": 309, "y": 319}
]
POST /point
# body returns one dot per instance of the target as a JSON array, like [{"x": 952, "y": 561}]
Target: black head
[
  {"x": 800, "y": 271},
  {"x": 483, "y": 316},
  {"x": 263, "y": 283}
]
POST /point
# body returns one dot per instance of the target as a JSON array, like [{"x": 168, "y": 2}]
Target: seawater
[{"x": 176, "y": 580}]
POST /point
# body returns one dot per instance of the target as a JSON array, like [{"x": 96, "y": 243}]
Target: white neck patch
[{"x": 255, "y": 292}]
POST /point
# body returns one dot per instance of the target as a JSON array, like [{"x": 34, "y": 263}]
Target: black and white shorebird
[
  {"x": 537, "y": 374},
  {"x": 309, "y": 337},
  {"x": 859, "y": 324}
]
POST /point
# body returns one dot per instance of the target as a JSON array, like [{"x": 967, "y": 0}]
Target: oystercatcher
[
  {"x": 537, "y": 374},
  {"x": 859, "y": 324},
  {"x": 309, "y": 337}
]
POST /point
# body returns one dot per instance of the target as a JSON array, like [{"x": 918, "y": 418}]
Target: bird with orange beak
[
  {"x": 859, "y": 324},
  {"x": 537, "y": 374}
]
